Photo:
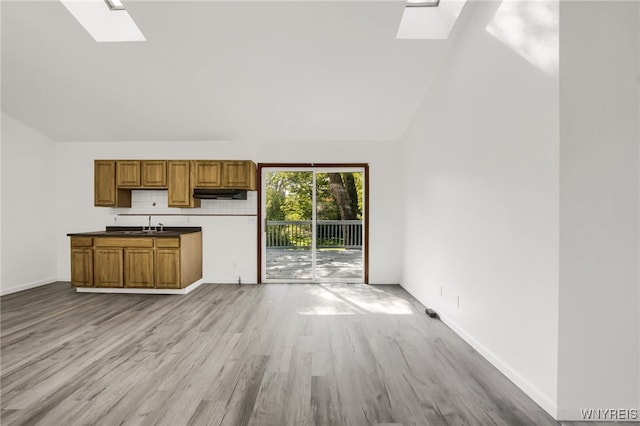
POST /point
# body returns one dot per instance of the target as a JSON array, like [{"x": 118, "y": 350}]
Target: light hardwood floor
[{"x": 274, "y": 354}]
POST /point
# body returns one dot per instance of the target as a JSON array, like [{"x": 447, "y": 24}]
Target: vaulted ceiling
[{"x": 224, "y": 70}]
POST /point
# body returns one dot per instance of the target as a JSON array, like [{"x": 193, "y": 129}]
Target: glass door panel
[
  {"x": 314, "y": 225},
  {"x": 339, "y": 226},
  {"x": 288, "y": 238}
]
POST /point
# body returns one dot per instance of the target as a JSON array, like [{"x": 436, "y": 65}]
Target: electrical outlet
[
  {"x": 458, "y": 302},
  {"x": 440, "y": 291}
]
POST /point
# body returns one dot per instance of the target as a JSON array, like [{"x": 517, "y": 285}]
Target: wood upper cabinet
[
  {"x": 115, "y": 179},
  {"x": 239, "y": 175},
  {"x": 128, "y": 174},
  {"x": 153, "y": 174},
  {"x": 108, "y": 267},
  {"x": 138, "y": 267},
  {"x": 179, "y": 183},
  {"x": 141, "y": 174},
  {"x": 224, "y": 174},
  {"x": 105, "y": 192},
  {"x": 207, "y": 173}
]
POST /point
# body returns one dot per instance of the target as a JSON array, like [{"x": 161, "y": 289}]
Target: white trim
[
  {"x": 185, "y": 290},
  {"x": 314, "y": 225},
  {"x": 27, "y": 286},
  {"x": 539, "y": 397}
]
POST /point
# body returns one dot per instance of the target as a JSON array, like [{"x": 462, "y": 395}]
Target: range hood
[{"x": 220, "y": 194}]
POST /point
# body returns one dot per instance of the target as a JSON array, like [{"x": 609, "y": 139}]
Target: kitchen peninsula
[{"x": 137, "y": 260}]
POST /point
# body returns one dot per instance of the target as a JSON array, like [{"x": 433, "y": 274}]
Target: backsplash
[{"x": 155, "y": 202}]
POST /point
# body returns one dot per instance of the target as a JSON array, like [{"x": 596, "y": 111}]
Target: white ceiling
[{"x": 287, "y": 71}]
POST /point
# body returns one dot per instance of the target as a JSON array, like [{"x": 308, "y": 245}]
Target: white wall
[
  {"x": 229, "y": 242},
  {"x": 599, "y": 346},
  {"x": 28, "y": 217},
  {"x": 481, "y": 212}
]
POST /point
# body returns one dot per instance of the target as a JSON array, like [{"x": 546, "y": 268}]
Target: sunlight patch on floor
[{"x": 350, "y": 300}]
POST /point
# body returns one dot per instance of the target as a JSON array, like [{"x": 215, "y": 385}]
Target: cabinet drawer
[
  {"x": 167, "y": 242},
  {"x": 81, "y": 241},
  {"x": 124, "y": 242}
]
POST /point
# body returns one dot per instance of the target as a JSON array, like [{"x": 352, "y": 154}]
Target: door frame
[{"x": 364, "y": 166}]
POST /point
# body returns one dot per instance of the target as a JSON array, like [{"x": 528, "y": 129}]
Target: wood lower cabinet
[
  {"x": 108, "y": 267},
  {"x": 138, "y": 267},
  {"x": 168, "y": 268},
  {"x": 82, "y": 267},
  {"x": 136, "y": 262},
  {"x": 178, "y": 260},
  {"x": 82, "y": 261}
]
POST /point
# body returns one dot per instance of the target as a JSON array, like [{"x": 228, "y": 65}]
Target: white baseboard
[
  {"x": 527, "y": 387},
  {"x": 185, "y": 290},
  {"x": 539, "y": 397},
  {"x": 27, "y": 286}
]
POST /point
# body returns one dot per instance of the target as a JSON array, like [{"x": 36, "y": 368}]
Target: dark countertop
[{"x": 136, "y": 231}]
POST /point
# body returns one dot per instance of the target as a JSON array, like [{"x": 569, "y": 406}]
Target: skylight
[
  {"x": 423, "y": 3},
  {"x": 423, "y": 20},
  {"x": 106, "y": 21}
]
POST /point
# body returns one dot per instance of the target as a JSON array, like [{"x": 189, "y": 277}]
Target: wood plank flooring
[{"x": 274, "y": 354}]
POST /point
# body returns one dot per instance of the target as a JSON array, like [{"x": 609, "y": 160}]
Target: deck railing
[{"x": 329, "y": 233}]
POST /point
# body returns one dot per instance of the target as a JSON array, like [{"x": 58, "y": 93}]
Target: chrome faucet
[
  {"x": 161, "y": 226},
  {"x": 149, "y": 227}
]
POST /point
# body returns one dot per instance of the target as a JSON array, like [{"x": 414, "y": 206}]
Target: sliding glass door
[{"x": 313, "y": 224}]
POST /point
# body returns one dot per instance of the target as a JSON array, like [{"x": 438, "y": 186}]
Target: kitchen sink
[{"x": 152, "y": 232}]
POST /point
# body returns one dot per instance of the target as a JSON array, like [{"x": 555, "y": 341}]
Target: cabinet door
[
  {"x": 167, "y": 268},
  {"x": 104, "y": 193},
  {"x": 138, "y": 267},
  {"x": 128, "y": 174},
  {"x": 180, "y": 190},
  {"x": 239, "y": 174},
  {"x": 207, "y": 174},
  {"x": 82, "y": 267},
  {"x": 154, "y": 174},
  {"x": 107, "y": 267}
]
